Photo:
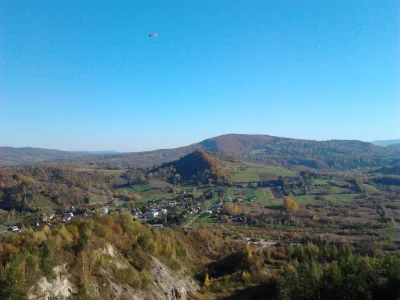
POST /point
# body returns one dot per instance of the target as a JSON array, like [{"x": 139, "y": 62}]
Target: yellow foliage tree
[
  {"x": 290, "y": 204},
  {"x": 207, "y": 281},
  {"x": 245, "y": 276},
  {"x": 235, "y": 209},
  {"x": 231, "y": 208}
]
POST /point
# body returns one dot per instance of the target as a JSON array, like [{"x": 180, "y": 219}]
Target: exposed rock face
[
  {"x": 60, "y": 287},
  {"x": 173, "y": 286},
  {"x": 163, "y": 283}
]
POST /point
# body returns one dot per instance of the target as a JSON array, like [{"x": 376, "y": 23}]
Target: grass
[
  {"x": 148, "y": 197},
  {"x": 337, "y": 198},
  {"x": 206, "y": 220},
  {"x": 143, "y": 187},
  {"x": 229, "y": 193},
  {"x": 371, "y": 189},
  {"x": 321, "y": 182},
  {"x": 97, "y": 198},
  {"x": 304, "y": 200},
  {"x": 273, "y": 202},
  {"x": 127, "y": 189},
  {"x": 341, "y": 198},
  {"x": 43, "y": 204},
  {"x": 298, "y": 192},
  {"x": 264, "y": 195},
  {"x": 335, "y": 190},
  {"x": 251, "y": 171}
]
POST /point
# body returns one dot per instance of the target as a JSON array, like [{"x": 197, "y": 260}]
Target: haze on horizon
[{"x": 81, "y": 75}]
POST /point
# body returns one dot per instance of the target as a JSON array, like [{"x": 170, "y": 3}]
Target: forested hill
[
  {"x": 337, "y": 154},
  {"x": 199, "y": 165}
]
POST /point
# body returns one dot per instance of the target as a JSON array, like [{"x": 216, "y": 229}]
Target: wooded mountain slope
[{"x": 338, "y": 154}]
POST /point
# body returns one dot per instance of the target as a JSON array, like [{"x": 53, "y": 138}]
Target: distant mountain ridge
[
  {"x": 29, "y": 155},
  {"x": 278, "y": 151},
  {"x": 385, "y": 143},
  {"x": 332, "y": 154}
]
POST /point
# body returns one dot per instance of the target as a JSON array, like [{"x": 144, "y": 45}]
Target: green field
[
  {"x": 297, "y": 192},
  {"x": 338, "y": 198},
  {"x": 263, "y": 195},
  {"x": 341, "y": 198},
  {"x": 272, "y": 202},
  {"x": 43, "y": 204},
  {"x": 143, "y": 187},
  {"x": 335, "y": 190},
  {"x": 321, "y": 182},
  {"x": 250, "y": 172},
  {"x": 371, "y": 189},
  {"x": 127, "y": 189},
  {"x": 304, "y": 200},
  {"x": 147, "y": 197},
  {"x": 206, "y": 220},
  {"x": 97, "y": 199}
]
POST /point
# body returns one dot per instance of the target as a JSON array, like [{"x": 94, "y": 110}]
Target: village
[{"x": 238, "y": 202}]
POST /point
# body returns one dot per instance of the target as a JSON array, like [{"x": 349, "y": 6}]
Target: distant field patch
[
  {"x": 265, "y": 176},
  {"x": 276, "y": 193},
  {"x": 97, "y": 199},
  {"x": 247, "y": 175},
  {"x": 304, "y": 200},
  {"x": 156, "y": 196},
  {"x": 143, "y": 187},
  {"x": 335, "y": 190},
  {"x": 104, "y": 171},
  {"x": 340, "y": 198},
  {"x": 127, "y": 189},
  {"x": 249, "y": 172},
  {"x": 371, "y": 189},
  {"x": 321, "y": 182}
]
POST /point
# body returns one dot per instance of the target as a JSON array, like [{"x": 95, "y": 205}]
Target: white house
[{"x": 104, "y": 210}]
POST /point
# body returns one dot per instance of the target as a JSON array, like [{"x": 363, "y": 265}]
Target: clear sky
[{"x": 82, "y": 75}]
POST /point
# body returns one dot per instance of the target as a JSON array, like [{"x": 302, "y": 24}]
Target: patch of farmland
[
  {"x": 371, "y": 189},
  {"x": 248, "y": 172},
  {"x": 277, "y": 194},
  {"x": 341, "y": 198},
  {"x": 321, "y": 182}
]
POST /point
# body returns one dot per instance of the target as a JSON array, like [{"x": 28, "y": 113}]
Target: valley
[{"x": 213, "y": 209}]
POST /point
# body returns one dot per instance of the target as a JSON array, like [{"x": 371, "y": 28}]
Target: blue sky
[{"x": 82, "y": 75}]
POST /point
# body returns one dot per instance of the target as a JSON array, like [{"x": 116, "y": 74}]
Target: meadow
[{"x": 252, "y": 172}]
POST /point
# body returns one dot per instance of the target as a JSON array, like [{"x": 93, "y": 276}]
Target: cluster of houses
[
  {"x": 50, "y": 218},
  {"x": 160, "y": 207},
  {"x": 190, "y": 211}
]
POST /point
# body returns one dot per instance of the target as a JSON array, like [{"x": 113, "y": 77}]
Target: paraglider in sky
[{"x": 152, "y": 34}]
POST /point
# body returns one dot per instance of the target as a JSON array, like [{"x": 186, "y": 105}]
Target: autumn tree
[
  {"x": 231, "y": 208},
  {"x": 207, "y": 281},
  {"x": 290, "y": 204}
]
